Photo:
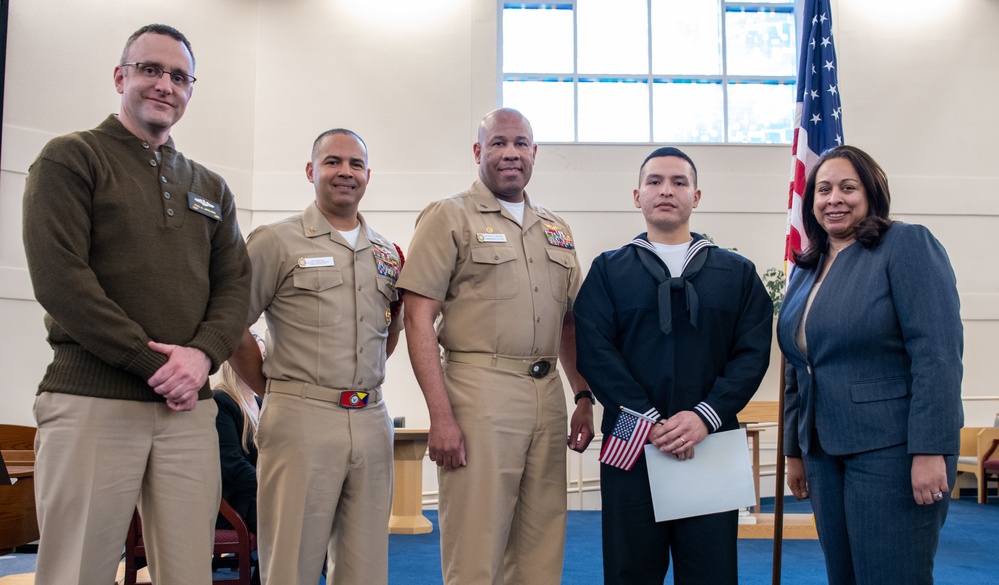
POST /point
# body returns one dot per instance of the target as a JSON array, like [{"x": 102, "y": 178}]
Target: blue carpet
[{"x": 968, "y": 547}]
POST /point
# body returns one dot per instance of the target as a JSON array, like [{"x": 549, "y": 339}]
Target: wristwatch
[{"x": 584, "y": 394}]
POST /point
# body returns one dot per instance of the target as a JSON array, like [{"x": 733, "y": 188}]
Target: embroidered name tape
[{"x": 204, "y": 207}]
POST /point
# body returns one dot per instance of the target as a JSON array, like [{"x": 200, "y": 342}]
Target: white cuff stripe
[{"x": 709, "y": 413}]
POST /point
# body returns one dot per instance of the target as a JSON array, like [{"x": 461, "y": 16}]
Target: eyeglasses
[{"x": 154, "y": 71}]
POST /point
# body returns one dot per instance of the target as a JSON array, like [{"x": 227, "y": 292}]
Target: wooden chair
[
  {"x": 18, "y": 522},
  {"x": 238, "y": 541},
  {"x": 988, "y": 465},
  {"x": 757, "y": 412},
  {"x": 975, "y": 443}
]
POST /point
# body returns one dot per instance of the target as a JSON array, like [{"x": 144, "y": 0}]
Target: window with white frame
[{"x": 680, "y": 71}]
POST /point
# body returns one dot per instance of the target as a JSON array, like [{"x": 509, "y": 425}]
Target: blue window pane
[
  {"x": 687, "y": 111},
  {"x": 760, "y": 42},
  {"x": 547, "y": 103},
  {"x": 686, "y": 37},
  {"x": 761, "y": 113},
  {"x": 613, "y": 37},
  {"x": 522, "y": 29},
  {"x": 581, "y": 69},
  {"x": 613, "y": 110}
]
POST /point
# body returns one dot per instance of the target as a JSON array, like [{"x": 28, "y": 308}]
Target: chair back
[
  {"x": 18, "y": 523},
  {"x": 237, "y": 541},
  {"x": 17, "y": 448},
  {"x": 17, "y": 438},
  {"x": 969, "y": 443}
]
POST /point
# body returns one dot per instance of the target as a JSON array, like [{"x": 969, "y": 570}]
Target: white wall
[{"x": 413, "y": 78}]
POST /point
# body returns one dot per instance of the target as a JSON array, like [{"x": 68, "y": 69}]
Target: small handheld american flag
[{"x": 627, "y": 439}]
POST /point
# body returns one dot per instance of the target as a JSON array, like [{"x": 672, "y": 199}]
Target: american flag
[
  {"x": 627, "y": 439},
  {"x": 818, "y": 121}
]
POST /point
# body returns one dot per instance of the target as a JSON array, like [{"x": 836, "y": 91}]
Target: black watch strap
[{"x": 585, "y": 394}]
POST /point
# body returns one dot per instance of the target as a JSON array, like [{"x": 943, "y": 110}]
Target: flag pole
[
  {"x": 818, "y": 126},
  {"x": 638, "y": 414},
  {"x": 779, "y": 484}
]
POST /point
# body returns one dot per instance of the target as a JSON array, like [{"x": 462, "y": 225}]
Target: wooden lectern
[{"x": 407, "y": 496}]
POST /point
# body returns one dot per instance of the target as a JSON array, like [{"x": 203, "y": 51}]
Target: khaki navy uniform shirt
[
  {"x": 326, "y": 304},
  {"x": 504, "y": 288}
]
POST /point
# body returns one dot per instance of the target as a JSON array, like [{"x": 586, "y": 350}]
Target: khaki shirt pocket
[
  {"x": 388, "y": 290},
  {"x": 560, "y": 265},
  {"x": 494, "y": 271},
  {"x": 389, "y": 294},
  {"x": 319, "y": 296}
]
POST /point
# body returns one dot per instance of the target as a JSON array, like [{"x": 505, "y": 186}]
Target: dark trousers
[
  {"x": 871, "y": 530},
  {"x": 637, "y": 549}
]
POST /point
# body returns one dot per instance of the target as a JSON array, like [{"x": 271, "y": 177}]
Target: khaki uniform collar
[
  {"x": 487, "y": 202},
  {"x": 315, "y": 224}
]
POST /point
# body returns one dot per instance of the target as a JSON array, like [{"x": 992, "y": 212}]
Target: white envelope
[{"x": 719, "y": 478}]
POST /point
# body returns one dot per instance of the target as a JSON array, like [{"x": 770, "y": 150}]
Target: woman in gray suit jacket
[{"x": 871, "y": 330}]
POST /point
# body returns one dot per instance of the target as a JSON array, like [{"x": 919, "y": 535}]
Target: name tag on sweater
[{"x": 204, "y": 206}]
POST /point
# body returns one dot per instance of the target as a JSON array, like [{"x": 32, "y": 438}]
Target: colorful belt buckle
[{"x": 353, "y": 399}]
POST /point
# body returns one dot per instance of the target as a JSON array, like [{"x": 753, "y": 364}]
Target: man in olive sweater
[{"x": 135, "y": 254}]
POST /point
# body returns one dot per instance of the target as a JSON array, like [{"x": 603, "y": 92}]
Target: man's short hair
[
  {"x": 332, "y": 131},
  {"x": 669, "y": 151},
  {"x": 159, "y": 29}
]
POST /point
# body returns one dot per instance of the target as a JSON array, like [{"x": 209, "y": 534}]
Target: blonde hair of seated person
[{"x": 229, "y": 382}]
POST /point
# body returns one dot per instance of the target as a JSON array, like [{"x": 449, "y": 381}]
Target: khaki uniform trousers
[
  {"x": 324, "y": 485},
  {"x": 502, "y": 517},
  {"x": 97, "y": 457}
]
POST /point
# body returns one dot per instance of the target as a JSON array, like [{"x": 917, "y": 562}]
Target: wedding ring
[
  {"x": 937, "y": 495},
  {"x": 683, "y": 441}
]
